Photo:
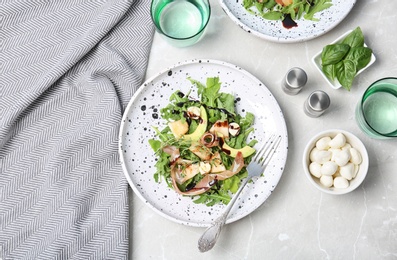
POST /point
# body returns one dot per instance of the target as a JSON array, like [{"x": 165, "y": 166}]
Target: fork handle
[{"x": 211, "y": 234}]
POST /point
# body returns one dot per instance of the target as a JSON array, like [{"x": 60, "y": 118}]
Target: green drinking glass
[
  {"x": 376, "y": 112},
  {"x": 181, "y": 22}
]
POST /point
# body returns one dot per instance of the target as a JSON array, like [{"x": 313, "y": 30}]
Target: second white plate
[{"x": 274, "y": 30}]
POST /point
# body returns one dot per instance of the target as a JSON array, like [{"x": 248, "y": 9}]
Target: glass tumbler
[
  {"x": 376, "y": 112},
  {"x": 181, "y": 22}
]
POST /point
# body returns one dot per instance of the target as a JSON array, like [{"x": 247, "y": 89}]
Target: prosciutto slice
[{"x": 209, "y": 180}]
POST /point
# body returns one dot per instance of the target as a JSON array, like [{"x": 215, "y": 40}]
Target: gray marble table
[{"x": 297, "y": 221}]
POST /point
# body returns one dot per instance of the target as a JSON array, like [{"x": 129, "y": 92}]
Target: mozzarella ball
[
  {"x": 347, "y": 171},
  {"x": 338, "y": 141},
  {"x": 355, "y": 156},
  {"x": 315, "y": 169},
  {"x": 356, "y": 168},
  {"x": 334, "y": 151},
  {"x": 320, "y": 156},
  {"x": 323, "y": 143},
  {"x": 341, "y": 183},
  {"x": 342, "y": 157},
  {"x": 347, "y": 146},
  {"x": 313, "y": 154},
  {"x": 326, "y": 180},
  {"x": 329, "y": 168}
]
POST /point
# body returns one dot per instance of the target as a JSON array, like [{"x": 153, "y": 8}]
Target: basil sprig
[{"x": 343, "y": 60}]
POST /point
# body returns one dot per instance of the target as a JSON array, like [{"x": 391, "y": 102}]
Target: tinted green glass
[
  {"x": 181, "y": 22},
  {"x": 376, "y": 113}
]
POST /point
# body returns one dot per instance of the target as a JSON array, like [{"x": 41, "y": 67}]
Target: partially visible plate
[
  {"x": 142, "y": 112},
  {"x": 274, "y": 30}
]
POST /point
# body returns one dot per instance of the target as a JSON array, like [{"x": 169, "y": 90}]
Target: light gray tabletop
[{"x": 297, "y": 221}]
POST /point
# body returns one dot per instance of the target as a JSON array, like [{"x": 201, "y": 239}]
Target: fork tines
[{"x": 267, "y": 150}]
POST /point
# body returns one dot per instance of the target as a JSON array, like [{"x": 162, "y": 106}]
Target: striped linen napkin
[{"x": 68, "y": 69}]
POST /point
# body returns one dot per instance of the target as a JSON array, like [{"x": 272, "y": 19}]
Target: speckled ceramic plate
[
  {"x": 142, "y": 113},
  {"x": 274, "y": 30}
]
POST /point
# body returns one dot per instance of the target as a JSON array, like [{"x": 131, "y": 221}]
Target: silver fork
[{"x": 255, "y": 168}]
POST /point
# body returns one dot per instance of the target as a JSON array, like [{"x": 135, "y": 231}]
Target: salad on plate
[
  {"x": 287, "y": 11},
  {"x": 204, "y": 147}
]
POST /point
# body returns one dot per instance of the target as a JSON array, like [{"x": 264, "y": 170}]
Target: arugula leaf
[
  {"x": 269, "y": 4},
  {"x": 226, "y": 101},
  {"x": 210, "y": 199},
  {"x": 231, "y": 184},
  {"x": 317, "y": 7},
  {"x": 270, "y": 10},
  {"x": 155, "y": 144},
  {"x": 211, "y": 92},
  {"x": 273, "y": 15},
  {"x": 247, "y": 121}
]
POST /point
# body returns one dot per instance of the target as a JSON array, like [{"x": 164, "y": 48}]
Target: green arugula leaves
[
  {"x": 219, "y": 106},
  {"x": 211, "y": 96},
  {"x": 270, "y": 10},
  {"x": 343, "y": 60}
]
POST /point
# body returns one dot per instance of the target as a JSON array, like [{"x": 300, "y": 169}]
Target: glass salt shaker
[
  {"x": 294, "y": 81},
  {"x": 316, "y": 104}
]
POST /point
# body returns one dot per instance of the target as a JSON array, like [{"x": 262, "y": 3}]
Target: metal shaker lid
[
  {"x": 296, "y": 78},
  {"x": 319, "y": 100}
]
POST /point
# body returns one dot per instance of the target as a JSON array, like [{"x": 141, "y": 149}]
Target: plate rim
[
  {"x": 145, "y": 85},
  {"x": 250, "y": 30}
]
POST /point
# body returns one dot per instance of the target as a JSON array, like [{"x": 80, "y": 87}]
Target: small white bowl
[
  {"x": 335, "y": 83},
  {"x": 355, "y": 143}
]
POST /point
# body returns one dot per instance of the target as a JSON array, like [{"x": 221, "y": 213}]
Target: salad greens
[
  {"x": 176, "y": 156},
  {"x": 343, "y": 60},
  {"x": 279, "y": 9}
]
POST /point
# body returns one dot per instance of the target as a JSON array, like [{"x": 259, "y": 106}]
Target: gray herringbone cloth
[{"x": 68, "y": 68}]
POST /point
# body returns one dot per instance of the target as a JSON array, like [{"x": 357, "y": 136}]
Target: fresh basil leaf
[
  {"x": 333, "y": 53},
  {"x": 355, "y": 38},
  {"x": 345, "y": 73},
  {"x": 361, "y": 56},
  {"x": 329, "y": 71}
]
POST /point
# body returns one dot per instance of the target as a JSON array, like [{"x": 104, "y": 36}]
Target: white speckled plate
[
  {"x": 274, "y": 30},
  {"x": 142, "y": 112}
]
